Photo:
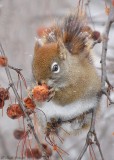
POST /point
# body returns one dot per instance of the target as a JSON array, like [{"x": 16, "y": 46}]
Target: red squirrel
[{"x": 62, "y": 58}]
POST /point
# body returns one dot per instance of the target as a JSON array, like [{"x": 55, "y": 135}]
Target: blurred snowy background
[{"x": 19, "y": 21}]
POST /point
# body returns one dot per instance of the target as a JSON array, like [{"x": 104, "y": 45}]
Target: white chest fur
[{"x": 67, "y": 112}]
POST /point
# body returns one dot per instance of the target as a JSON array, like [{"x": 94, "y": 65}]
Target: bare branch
[
  {"x": 104, "y": 78},
  {"x": 83, "y": 151},
  {"x": 16, "y": 69},
  {"x": 28, "y": 119},
  {"x": 89, "y": 137}
]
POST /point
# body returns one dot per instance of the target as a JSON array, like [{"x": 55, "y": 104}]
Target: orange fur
[{"x": 43, "y": 57}]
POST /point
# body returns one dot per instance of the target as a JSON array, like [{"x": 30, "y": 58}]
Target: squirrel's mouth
[{"x": 53, "y": 84}]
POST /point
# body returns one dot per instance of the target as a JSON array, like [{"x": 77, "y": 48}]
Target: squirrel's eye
[{"x": 55, "y": 67}]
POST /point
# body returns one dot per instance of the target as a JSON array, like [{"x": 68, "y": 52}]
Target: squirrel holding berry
[{"x": 62, "y": 59}]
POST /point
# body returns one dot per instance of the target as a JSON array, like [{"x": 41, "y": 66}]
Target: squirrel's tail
[{"x": 74, "y": 32}]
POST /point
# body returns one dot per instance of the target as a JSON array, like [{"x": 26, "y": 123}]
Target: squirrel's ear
[
  {"x": 62, "y": 50},
  {"x": 39, "y": 42}
]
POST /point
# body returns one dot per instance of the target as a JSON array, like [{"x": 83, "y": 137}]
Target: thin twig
[
  {"x": 16, "y": 69},
  {"x": 104, "y": 78},
  {"x": 88, "y": 135},
  {"x": 28, "y": 119},
  {"x": 98, "y": 145},
  {"x": 89, "y": 138},
  {"x": 83, "y": 151}
]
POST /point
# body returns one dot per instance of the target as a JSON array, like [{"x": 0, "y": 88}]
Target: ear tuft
[{"x": 39, "y": 42}]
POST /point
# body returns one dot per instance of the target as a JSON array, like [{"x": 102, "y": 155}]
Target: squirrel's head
[
  {"x": 54, "y": 64},
  {"x": 50, "y": 63},
  {"x": 62, "y": 54}
]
